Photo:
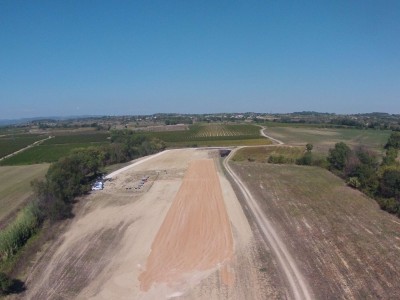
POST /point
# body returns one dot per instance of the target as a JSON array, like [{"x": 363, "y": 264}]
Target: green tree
[
  {"x": 337, "y": 156},
  {"x": 393, "y": 141},
  {"x": 305, "y": 160},
  {"x": 309, "y": 147},
  {"x": 390, "y": 157},
  {"x": 390, "y": 183}
]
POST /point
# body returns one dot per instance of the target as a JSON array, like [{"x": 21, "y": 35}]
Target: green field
[
  {"x": 213, "y": 135},
  {"x": 15, "y": 186},
  {"x": 78, "y": 138},
  {"x": 51, "y": 150},
  {"x": 44, "y": 153},
  {"x": 325, "y": 138},
  {"x": 11, "y": 143}
]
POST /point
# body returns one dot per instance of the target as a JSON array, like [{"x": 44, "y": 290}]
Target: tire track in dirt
[{"x": 294, "y": 277}]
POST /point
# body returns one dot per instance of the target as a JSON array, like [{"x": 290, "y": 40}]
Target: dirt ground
[
  {"x": 181, "y": 235},
  {"x": 344, "y": 245}
]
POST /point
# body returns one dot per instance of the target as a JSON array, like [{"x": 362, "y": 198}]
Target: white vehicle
[{"x": 98, "y": 185}]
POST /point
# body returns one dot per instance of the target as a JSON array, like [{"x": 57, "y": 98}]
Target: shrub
[
  {"x": 15, "y": 235},
  {"x": 305, "y": 160},
  {"x": 338, "y": 156},
  {"x": 279, "y": 159},
  {"x": 354, "y": 182},
  {"x": 5, "y": 284},
  {"x": 390, "y": 205}
]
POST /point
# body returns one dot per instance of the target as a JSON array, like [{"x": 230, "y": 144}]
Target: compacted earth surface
[{"x": 181, "y": 234}]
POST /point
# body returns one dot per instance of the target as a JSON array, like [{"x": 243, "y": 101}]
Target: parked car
[{"x": 98, "y": 185}]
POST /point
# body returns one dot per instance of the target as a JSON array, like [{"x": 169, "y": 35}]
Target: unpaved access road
[
  {"x": 262, "y": 132},
  {"x": 298, "y": 286},
  {"x": 181, "y": 235}
]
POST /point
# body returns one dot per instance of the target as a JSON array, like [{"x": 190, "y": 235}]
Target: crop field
[
  {"x": 11, "y": 143},
  {"x": 45, "y": 153},
  {"x": 15, "y": 186},
  {"x": 78, "y": 138},
  {"x": 213, "y": 135},
  {"x": 51, "y": 150},
  {"x": 325, "y": 138},
  {"x": 340, "y": 239},
  {"x": 222, "y": 130}
]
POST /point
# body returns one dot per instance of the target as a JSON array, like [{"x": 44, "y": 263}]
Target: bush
[
  {"x": 354, "y": 182},
  {"x": 394, "y": 141},
  {"x": 5, "y": 284},
  {"x": 390, "y": 205},
  {"x": 390, "y": 183},
  {"x": 278, "y": 159},
  {"x": 15, "y": 235},
  {"x": 338, "y": 156},
  {"x": 305, "y": 160}
]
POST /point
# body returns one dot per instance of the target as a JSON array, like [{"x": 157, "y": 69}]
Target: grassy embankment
[
  {"x": 15, "y": 187},
  {"x": 18, "y": 218}
]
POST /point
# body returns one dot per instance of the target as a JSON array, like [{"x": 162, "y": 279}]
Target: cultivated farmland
[
  {"x": 13, "y": 142},
  {"x": 53, "y": 149},
  {"x": 213, "y": 135},
  {"x": 344, "y": 245}
]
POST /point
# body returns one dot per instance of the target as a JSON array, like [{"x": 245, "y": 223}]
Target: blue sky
[{"x": 62, "y": 58}]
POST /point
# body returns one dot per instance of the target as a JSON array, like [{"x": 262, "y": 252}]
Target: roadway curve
[
  {"x": 270, "y": 137},
  {"x": 298, "y": 286}
]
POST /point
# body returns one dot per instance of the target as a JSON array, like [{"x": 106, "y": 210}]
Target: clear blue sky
[{"x": 62, "y": 58}]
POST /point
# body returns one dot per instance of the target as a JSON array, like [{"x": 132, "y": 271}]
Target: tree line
[
  {"x": 362, "y": 169},
  {"x": 72, "y": 176}
]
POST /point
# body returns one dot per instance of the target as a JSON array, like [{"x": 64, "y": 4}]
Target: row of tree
[
  {"x": 362, "y": 170},
  {"x": 72, "y": 175}
]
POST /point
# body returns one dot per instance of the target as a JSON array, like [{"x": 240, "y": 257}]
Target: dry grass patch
[
  {"x": 262, "y": 154},
  {"x": 15, "y": 187},
  {"x": 345, "y": 245}
]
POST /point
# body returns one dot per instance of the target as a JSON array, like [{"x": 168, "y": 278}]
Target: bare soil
[{"x": 182, "y": 235}]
